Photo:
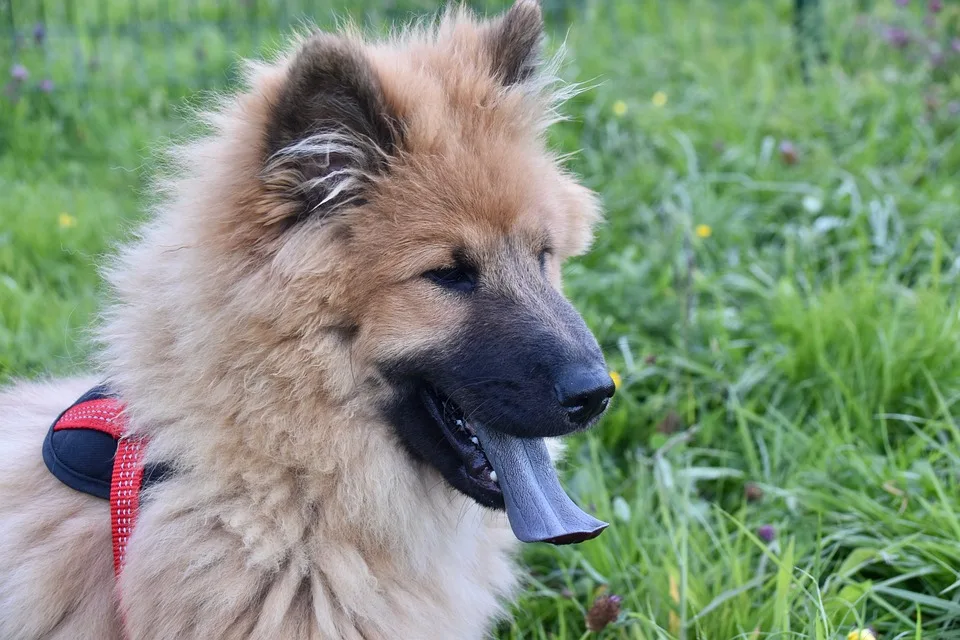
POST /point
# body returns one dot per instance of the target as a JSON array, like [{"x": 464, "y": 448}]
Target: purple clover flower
[
  {"x": 19, "y": 73},
  {"x": 752, "y": 492},
  {"x": 897, "y": 37},
  {"x": 903, "y": 3},
  {"x": 935, "y": 6},
  {"x": 46, "y": 85},
  {"x": 767, "y": 533},
  {"x": 605, "y": 609},
  {"x": 788, "y": 152}
]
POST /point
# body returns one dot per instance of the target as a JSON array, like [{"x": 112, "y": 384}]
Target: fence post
[
  {"x": 808, "y": 24},
  {"x": 13, "y": 30}
]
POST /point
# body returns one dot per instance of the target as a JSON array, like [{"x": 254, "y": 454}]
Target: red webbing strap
[
  {"x": 106, "y": 415},
  {"x": 125, "y": 495}
]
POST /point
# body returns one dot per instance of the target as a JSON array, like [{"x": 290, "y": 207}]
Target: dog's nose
[{"x": 584, "y": 392}]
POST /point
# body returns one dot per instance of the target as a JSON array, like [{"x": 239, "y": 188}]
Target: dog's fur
[{"x": 251, "y": 323}]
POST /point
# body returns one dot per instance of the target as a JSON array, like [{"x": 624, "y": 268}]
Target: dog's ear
[
  {"x": 515, "y": 41},
  {"x": 330, "y": 131}
]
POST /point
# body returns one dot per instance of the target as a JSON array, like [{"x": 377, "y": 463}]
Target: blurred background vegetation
[{"x": 775, "y": 284}]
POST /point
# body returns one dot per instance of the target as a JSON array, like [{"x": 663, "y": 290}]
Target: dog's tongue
[{"x": 537, "y": 506}]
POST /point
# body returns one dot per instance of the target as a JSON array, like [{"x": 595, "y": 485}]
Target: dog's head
[
  {"x": 396, "y": 231},
  {"x": 427, "y": 167}
]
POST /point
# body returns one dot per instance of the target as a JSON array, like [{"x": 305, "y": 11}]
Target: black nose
[{"x": 584, "y": 392}]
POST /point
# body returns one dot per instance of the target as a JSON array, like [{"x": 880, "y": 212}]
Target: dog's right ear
[
  {"x": 330, "y": 132},
  {"x": 515, "y": 41}
]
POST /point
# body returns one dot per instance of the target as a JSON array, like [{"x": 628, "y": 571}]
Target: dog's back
[{"x": 56, "y": 574}]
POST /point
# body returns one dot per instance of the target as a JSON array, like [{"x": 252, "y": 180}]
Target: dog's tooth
[
  {"x": 475, "y": 440},
  {"x": 493, "y": 475}
]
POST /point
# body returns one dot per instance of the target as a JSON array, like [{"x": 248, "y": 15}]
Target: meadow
[{"x": 775, "y": 285}]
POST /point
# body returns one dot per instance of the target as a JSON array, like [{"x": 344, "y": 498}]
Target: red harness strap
[{"x": 106, "y": 415}]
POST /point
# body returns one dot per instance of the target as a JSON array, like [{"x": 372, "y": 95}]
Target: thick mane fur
[{"x": 338, "y": 511}]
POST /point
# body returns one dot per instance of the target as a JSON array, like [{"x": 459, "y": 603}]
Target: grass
[{"x": 776, "y": 283}]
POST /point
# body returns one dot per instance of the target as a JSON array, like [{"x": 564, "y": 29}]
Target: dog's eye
[{"x": 456, "y": 278}]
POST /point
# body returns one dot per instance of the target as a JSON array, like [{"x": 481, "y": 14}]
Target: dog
[{"x": 341, "y": 335}]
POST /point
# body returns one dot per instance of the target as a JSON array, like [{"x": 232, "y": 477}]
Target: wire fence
[
  {"x": 175, "y": 47},
  {"x": 180, "y": 45}
]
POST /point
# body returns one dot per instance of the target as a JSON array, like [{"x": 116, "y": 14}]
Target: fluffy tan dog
[{"x": 343, "y": 335}]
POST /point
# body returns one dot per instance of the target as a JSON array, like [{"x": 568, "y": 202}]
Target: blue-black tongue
[{"x": 538, "y": 508}]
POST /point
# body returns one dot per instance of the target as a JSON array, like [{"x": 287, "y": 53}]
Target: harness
[{"x": 87, "y": 449}]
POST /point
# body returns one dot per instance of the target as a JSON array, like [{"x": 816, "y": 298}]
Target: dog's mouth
[
  {"x": 462, "y": 438},
  {"x": 504, "y": 471}
]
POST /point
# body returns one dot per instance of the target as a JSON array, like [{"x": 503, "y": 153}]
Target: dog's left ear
[
  {"x": 515, "y": 41},
  {"x": 331, "y": 132}
]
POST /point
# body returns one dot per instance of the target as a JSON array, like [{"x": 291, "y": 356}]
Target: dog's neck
[
  {"x": 360, "y": 516},
  {"x": 335, "y": 468}
]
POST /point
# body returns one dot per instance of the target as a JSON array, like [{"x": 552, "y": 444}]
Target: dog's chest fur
[{"x": 268, "y": 563}]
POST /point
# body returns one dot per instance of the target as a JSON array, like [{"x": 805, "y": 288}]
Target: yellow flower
[
  {"x": 617, "y": 380},
  {"x": 861, "y": 634},
  {"x": 673, "y": 623},
  {"x": 673, "y": 620},
  {"x": 67, "y": 221},
  {"x": 659, "y": 99},
  {"x": 703, "y": 231},
  {"x": 619, "y": 108}
]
